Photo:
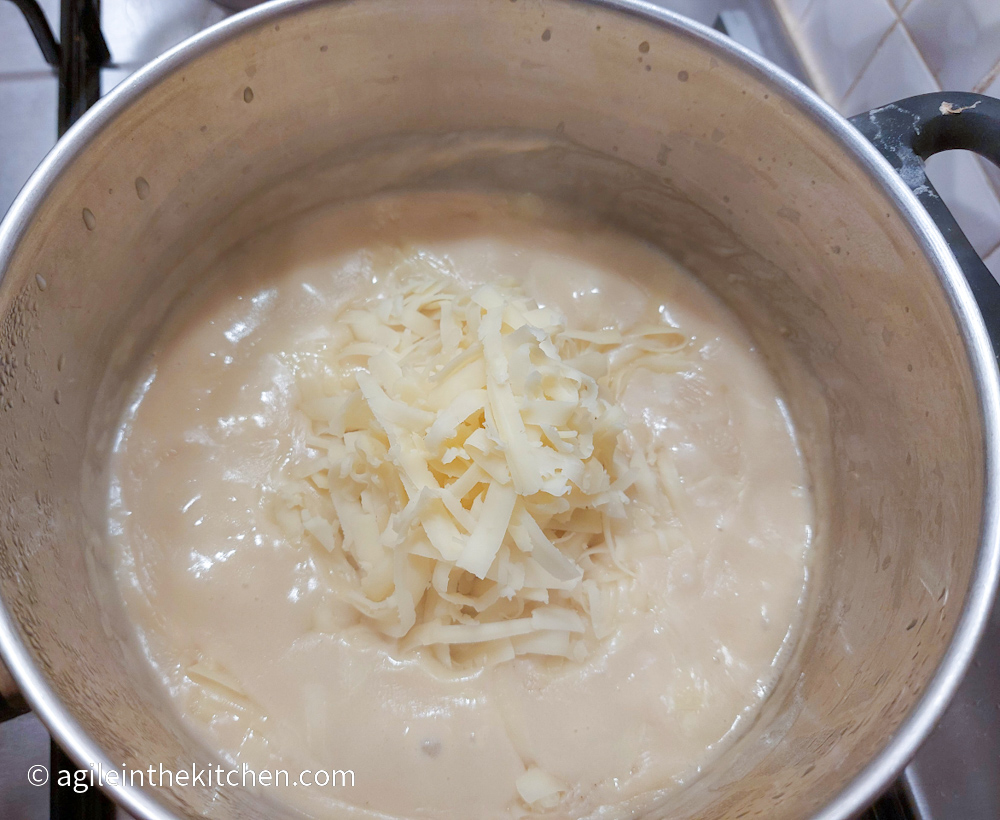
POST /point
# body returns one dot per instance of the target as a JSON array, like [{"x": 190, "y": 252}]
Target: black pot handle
[
  {"x": 906, "y": 133},
  {"x": 911, "y": 130}
]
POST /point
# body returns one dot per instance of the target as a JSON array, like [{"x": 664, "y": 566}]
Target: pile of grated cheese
[{"x": 468, "y": 463}]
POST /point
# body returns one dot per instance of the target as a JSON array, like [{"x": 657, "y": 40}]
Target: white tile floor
[
  {"x": 23, "y": 742},
  {"x": 28, "y": 98}
]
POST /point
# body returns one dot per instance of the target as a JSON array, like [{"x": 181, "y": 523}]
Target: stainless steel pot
[{"x": 661, "y": 126}]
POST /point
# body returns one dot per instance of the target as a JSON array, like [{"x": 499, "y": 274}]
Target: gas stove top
[{"x": 42, "y": 90}]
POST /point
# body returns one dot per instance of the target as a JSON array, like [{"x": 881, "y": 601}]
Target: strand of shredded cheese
[{"x": 468, "y": 463}]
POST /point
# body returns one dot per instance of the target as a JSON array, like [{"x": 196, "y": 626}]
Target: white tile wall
[
  {"x": 843, "y": 35},
  {"x": 960, "y": 39},
  {"x": 895, "y": 71},
  {"x": 926, "y": 45}
]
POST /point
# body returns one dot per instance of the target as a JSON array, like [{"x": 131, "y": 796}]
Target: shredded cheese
[
  {"x": 468, "y": 468},
  {"x": 539, "y": 789}
]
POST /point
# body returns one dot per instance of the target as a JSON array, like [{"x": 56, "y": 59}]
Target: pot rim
[{"x": 889, "y": 762}]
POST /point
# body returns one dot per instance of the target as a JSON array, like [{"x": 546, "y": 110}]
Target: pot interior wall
[{"x": 645, "y": 125}]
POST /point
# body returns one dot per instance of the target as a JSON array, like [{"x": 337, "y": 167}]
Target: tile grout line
[{"x": 987, "y": 80}]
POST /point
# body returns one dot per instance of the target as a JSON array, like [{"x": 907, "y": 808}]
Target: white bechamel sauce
[{"x": 207, "y": 576}]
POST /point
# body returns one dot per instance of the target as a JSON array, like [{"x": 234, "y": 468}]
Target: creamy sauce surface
[{"x": 209, "y": 579}]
